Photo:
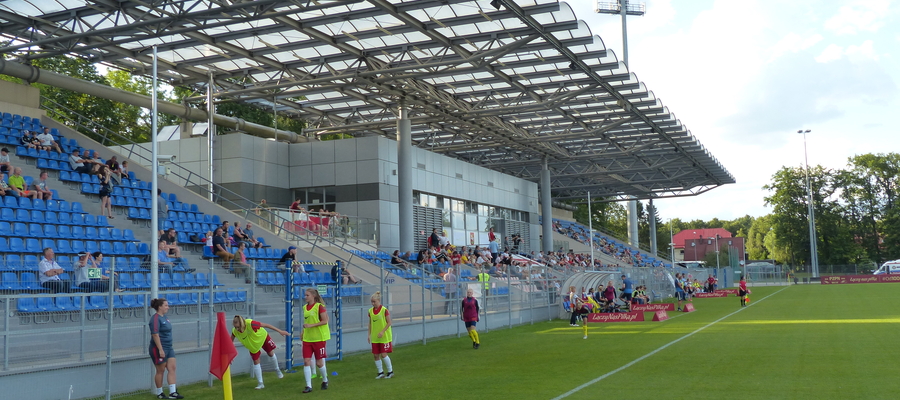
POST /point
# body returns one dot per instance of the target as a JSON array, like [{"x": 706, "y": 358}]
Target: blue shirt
[
  {"x": 629, "y": 285},
  {"x": 494, "y": 247},
  {"x": 160, "y": 325}
]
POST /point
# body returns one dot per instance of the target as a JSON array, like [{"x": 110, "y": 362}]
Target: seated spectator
[
  {"x": 170, "y": 239},
  {"x": 5, "y": 190},
  {"x": 220, "y": 249},
  {"x": 80, "y": 165},
  {"x": 47, "y": 142},
  {"x": 170, "y": 263},
  {"x": 50, "y": 271},
  {"x": 83, "y": 265},
  {"x": 114, "y": 169},
  {"x": 455, "y": 259},
  {"x": 345, "y": 277},
  {"x": 240, "y": 266},
  {"x": 248, "y": 232},
  {"x": 238, "y": 236},
  {"x": 5, "y": 165},
  {"x": 291, "y": 256},
  {"x": 28, "y": 140},
  {"x": 124, "y": 169},
  {"x": 40, "y": 187},
  {"x": 17, "y": 184},
  {"x": 396, "y": 260}
]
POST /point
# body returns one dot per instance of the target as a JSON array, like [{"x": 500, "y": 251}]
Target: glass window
[
  {"x": 416, "y": 196},
  {"x": 483, "y": 223},
  {"x": 482, "y": 210},
  {"x": 459, "y": 221},
  {"x": 447, "y": 204},
  {"x": 457, "y": 206},
  {"x": 445, "y": 216},
  {"x": 471, "y": 222}
]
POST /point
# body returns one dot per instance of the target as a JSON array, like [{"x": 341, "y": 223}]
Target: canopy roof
[{"x": 504, "y": 89}]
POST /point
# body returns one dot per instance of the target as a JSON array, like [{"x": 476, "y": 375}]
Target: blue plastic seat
[
  {"x": 65, "y": 218},
  {"x": 104, "y": 234},
  {"x": 140, "y": 281},
  {"x": 118, "y": 248},
  {"x": 38, "y": 204},
  {"x": 165, "y": 280},
  {"x": 51, "y": 217},
  {"x": 97, "y": 303},
  {"x": 91, "y": 246},
  {"x": 90, "y": 233},
  {"x": 65, "y": 303},
  {"x": 62, "y": 231},
  {"x": 32, "y": 245},
  {"x": 202, "y": 281},
  {"x": 29, "y": 281},
  {"x": 26, "y": 305},
  {"x": 77, "y": 246},
  {"x": 190, "y": 280},
  {"x": 10, "y": 282},
  {"x": 77, "y": 220},
  {"x": 63, "y": 246},
  {"x": 7, "y": 214},
  {"x": 178, "y": 281},
  {"x": 106, "y": 248},
  {"x": 22, "y": 215}
]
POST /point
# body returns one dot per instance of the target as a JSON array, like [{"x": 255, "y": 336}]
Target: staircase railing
[{"x": 199, "y": 184}]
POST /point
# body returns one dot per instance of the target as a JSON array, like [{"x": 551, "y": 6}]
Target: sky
[{"x": 744, "y": 76}]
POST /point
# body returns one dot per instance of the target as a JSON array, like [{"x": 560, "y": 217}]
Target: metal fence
[{"x": 290, "y": 224}]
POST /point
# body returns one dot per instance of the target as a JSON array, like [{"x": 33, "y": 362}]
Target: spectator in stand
[
  {"x": 424, "y": 258},
  {"x": 495, "y": 250},
  {"x": 397, "y": 261},
  {"x": 346, "y": 277},
  {"x": 162, "y": 211},
  {"x": 80, "y": 165},
  {"x": 40, "y": 187},
  {"x": 17, "y": 184},
  {"x": 114, "y": 168},
  {"x": 248, "y": 232},
  {"x": 491, "y": 235},
  {"x": 240, "y": 265},
  {"x": 5, "y": 190},
  {"x": 162, "y": 257},
  {"x": 220, "y": 249},
  {"x": 264, "y": 211},
  {"x": 240, "y": 236},
  {"x": 451, "y": 286},
  {"x": 170, "y": 239},
  {"x": 47, "y": 142},
  {"x": 49, "y": 274},
  {"x": 28, "y": 140},
  {"x": 434, "y": 240},
  {"x": 292, "y": 256},
  {"x": 443, "y": 239},
  {"x": 105, "y": 191},
  {"x": 85, "y": 262},
  {"x": 5, "y": 165},
  {"x": 455, "y": 259},
  {"x": 124, "y": 169}
]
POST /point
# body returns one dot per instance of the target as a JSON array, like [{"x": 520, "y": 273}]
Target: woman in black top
[{"x": 105, "y": 191}]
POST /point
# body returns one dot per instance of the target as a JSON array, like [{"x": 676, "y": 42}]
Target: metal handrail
[{"x": 107, "y": 135}]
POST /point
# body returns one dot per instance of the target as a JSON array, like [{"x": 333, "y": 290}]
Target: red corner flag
[{"x": 223, "y": 351}]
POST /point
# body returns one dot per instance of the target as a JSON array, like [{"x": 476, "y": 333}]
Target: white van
[{"x": 890, "y": 267}]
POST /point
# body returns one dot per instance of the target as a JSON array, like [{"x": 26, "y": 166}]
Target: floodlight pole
[
  {"x": 591, "y": 231},
  {"x": 717, "y": 251},
  {"x": 672, "y": 242},
  {"x": 813, "y": 245},
  {"x": 210, "y": 134},
  {"x": 154, "y": 184}
]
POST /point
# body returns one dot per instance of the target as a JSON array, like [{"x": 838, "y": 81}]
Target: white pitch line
[{"x": 610, "y": 373}]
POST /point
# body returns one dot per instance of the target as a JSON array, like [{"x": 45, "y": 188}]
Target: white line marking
[{"x": 610, "y": 373}]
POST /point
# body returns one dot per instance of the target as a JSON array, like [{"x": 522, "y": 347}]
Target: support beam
[
  {"x": 546, "y": 210},
  {"x": 404, "y": 179},
  {"x": 633, "y": 239},
  {"x": 651, "y": 216}
]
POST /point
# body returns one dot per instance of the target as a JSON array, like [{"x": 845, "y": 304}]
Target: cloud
[
  {"x": 793, "y": 43},
  {"x": 859, "y": 16},
  {"x": 796, "y": 91},
  {"x": 831, "y": 53}
]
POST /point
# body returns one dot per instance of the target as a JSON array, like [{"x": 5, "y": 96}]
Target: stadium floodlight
[
  {"x": 623, "y": 8},
  {"x": 813, "y": 245}
]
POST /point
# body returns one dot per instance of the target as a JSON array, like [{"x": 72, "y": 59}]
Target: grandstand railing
[
  {"x": 341, "y": 228},
  {"x": 198, "y": 183}
]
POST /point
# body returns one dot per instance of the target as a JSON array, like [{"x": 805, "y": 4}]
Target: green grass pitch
[{"x": 799, "y": 342}]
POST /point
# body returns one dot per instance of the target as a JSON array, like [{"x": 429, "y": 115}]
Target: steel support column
[
  {"x": 405, "y": 179},
  {"x": 651, "y": 216},
  {"x": 546, "y": 210},
  {"x": 632, "y": 217}
]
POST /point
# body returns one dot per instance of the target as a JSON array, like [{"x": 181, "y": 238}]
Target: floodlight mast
[{"x": 623, "y": 8}]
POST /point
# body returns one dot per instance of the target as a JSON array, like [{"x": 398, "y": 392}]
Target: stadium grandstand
[{"x": 462, "y": 117}]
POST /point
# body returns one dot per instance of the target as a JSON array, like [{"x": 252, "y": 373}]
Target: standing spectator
[
  {"x": 161, "y": 351},
  {"x": 47, "y": 142},
  {"x": 49, "y": 273},
  {"x": 627, "y": 289},
  {"x": 434, "y": 240},
  {"x": 495, "y": 250},
  {"x": 455, "y": 259},
  {"x": 491, "y": 235},
  {"x": 468, "y": 311},
  {"x": 380, "y": 336},
  {"x": 263, "y": 210},
  {"x": 162, "y": 211},
  {"x": 485, "y": 278},
  {"x": 105, "y": 192},
  {"x": 680, "y": 294},
  {"x": 114, "y": 169},
  {"x": 314, "y": 336},
  {"x": 451, "y": 286},
  {"x": 5, "y": 166},
  {"x": 40, "y": 187},
  {"x": 711, "y": 284},
  {"x": 220, "y": 249},
  {"x": 17, "y": 184}
]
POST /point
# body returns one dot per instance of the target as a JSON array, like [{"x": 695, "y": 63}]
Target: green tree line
[{"x": 856, "y": 211}]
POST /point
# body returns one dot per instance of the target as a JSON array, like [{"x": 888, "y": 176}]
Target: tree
[{"x": 756, "y": 238}]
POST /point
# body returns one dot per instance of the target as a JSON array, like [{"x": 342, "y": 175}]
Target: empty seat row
[
  {"x": 30, "y": 305},
  {"x": 53, "y": 217},
  {"x": 63, "y": 246},
  {"x": 51, "y": 231},
  {"x": 54, "y": 204}
]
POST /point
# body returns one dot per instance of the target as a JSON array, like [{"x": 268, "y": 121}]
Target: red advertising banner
[
  {"x": 653, "y": 307},
  {"x": 707, "y": 295},
  {"x": 660, "y": 316},
  {"x": 689, "y": 307},
  {"x": 616, "y": 317},
  {"x": 842, "y": 279}
]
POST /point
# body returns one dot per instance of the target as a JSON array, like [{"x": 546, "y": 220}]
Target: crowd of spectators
[{"x": 581, "y": 235}]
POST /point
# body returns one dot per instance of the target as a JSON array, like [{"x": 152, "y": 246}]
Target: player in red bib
[
  {"x": 743, "y": 292},
  {"x": 380, "y": 336},
  {"x": 469, "y": 312}
]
